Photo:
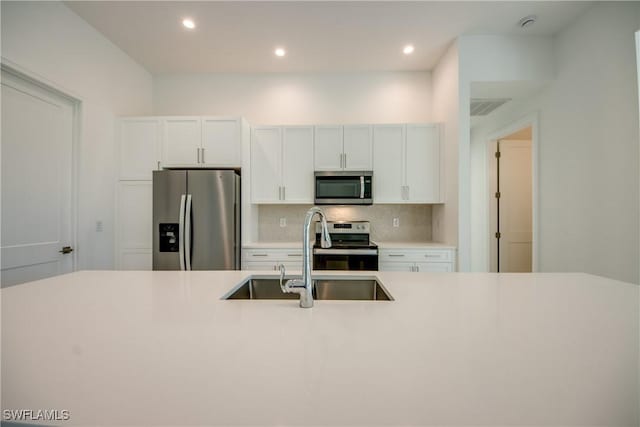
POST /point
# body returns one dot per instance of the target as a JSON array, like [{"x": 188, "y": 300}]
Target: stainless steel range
[{"x": 351, "y": 247}]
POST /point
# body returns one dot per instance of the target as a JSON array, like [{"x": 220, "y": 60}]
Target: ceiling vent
[{"x": 484, "y": 106}]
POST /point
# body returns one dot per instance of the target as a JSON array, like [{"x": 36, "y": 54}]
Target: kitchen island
[{"x": 163, "y": 348}]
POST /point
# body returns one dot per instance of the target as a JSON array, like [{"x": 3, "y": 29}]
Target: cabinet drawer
[
  {"x": 271, "y": 265},
  {"x": 434, "y": 267},
  {"x": 282, "y": 255},
  {"x": 412, "y": 255}
]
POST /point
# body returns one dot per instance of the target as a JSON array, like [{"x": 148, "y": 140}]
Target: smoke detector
[{"x": 527, "y": 21}]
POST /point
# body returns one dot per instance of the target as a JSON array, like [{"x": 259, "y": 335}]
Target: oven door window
[
  {"x": 345, "y": 262},
  {"x": 337, "y": 188}
]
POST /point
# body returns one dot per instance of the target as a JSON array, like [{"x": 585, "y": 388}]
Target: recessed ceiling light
[
  {"x": 527, "y": 21},
  {"x": 188, "y": 23},
  {"x": 280, "y": 52},
  {"x": 408, "y": 49}
]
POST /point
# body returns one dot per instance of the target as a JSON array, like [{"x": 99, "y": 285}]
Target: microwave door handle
[{"x": 361, "y": 186}]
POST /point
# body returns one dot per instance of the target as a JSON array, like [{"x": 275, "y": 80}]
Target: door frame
[
  {"x": 531, "y": 120},
  {"x": 31, "y": 78}
]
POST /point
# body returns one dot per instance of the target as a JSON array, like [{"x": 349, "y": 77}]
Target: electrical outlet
[
  {"x": 99, "y": 226},
  {"x": 283, "y": 222},
  {"x": 396, "y": 222}
]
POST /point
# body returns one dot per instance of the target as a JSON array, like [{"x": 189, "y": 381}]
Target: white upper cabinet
[
  {"x": 343, "y": 148},
  {"x": 423, "y": 164},
  {"x": 406, "y": 163},
  {"x": 358, "y": 148},
  {"x": 282, "y": 164},
  {"x": 139, "y": 148},
  {"x": 266, "y": 164},
  {"x": 328, "y": 145},
  {"x": 388, "y": 164},
  {"x": 297, "y": 164},
  {"x": 220, "y": 142},
  {"x": 201, "y": 142},
  {"x": 181, "y": 141}
]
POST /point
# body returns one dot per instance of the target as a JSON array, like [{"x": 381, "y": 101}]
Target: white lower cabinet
[
  {"x": 271, "y": 258},
  {"x": 417, "y": 260},
  {"x": 134, "y": 225}
]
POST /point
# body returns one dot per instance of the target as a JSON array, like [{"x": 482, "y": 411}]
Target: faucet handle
[{"x": 282, "y": 274}]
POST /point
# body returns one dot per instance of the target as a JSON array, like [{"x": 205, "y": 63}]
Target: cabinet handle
[
  {"x": 408, "y": 190},
  {"x": 198, "y": 155},
  {"x": 431, "y": 256},
  {"x": 158, "y": 164},
  {"x": 259, "y": 254},
  {"x": 202, "y": 155},
  {"x": 279, "y": 193},
  {"x": 396, "y": 255},
  {"x": 345, "y": 160},
  {"x": 417, "y": 268},
  {"x": 294, "y": 254},
  {"x": 284, "y": 193}
]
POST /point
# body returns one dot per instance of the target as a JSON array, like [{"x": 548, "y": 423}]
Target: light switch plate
[
  {"x": 283, "y": 222},
  {"x": 396, "y": 222}
]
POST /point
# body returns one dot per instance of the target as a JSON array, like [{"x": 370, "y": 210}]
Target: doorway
[
  {"x": 38, "y": 200},
  {"x": 511, "y": 202}
]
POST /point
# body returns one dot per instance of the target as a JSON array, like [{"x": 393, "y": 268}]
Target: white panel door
[
  {"x": 327, "y": 147},
  {"x": 220, "y": 142},
  {"x": 266, "y": 164},
  {"x": 423, "y": 164},
  {"x": 358, "y": 148},
  {"x": 37, "y": 141},
  {"x": 181, "y": 141},
  {"x": 515, "y": 206},
  {"x": 388, "y": 177},
  {"x": 139, "y": 147},
  {"x": 297, "y": 164}
]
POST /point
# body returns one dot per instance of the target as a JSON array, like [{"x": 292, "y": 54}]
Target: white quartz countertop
[
  {"x": 151, "y": 348},
  {"x": 273, "y": 245},
  {"x": 413, "y": 245}
]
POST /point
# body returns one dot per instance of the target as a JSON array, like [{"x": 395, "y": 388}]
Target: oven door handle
[
  {"x": 332, "y": 251},
  {"x": 362, "y": 186}
]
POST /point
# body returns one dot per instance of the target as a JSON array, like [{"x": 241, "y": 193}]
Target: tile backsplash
[{"x": 414, "y": 221}]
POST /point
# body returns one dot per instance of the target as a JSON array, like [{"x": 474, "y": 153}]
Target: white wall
[
  {"x": 446, "y": 109},
  {"x": 299, "y": 98},
  {"x": 48, "y": 40},
  {"x": 491, "y": 59},
  {"x": 589, "y": 157}
]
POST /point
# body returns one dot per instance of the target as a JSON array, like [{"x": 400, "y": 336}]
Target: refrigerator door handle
[
  {"x": 181, "y": 232},
  {"x": 187, "y": 234}
]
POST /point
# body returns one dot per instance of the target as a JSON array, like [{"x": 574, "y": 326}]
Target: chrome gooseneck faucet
[{"x": 304, "y": 286}]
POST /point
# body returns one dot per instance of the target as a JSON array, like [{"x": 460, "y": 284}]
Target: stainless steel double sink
[{"x": 344, "y": 288}]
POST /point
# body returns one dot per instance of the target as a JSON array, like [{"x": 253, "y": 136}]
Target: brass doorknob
[{"x": 66, "y": 250}]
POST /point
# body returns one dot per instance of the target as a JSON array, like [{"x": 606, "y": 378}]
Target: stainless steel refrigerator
[{"x": 196, "y": 220}]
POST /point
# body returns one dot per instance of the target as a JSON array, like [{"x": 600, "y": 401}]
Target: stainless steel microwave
[{"x": 343, "y": 188}]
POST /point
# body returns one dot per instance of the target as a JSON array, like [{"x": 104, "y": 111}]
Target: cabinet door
[
  {"x": 297, "y": 164},
  {"x": 181, "y": 141},
  {"x": 327, "y": 147},
  {"x": 434, "y": 267},
  {"x": 358, "y": 148},
  {"x": 396, "y": 266},
  {"x": 423, "y": 164},
  {"x": 134, "y": 215},
  {"x": 139, "y": 148},
  {"x": 388, "y": 177},
  {"x": 259, "y": 265},
  {"x": 220, "y": 142},
  {"x": 266, "y": 164}
]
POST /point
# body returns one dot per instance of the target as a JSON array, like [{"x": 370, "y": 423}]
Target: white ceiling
[{"x": 318, "y": 36}]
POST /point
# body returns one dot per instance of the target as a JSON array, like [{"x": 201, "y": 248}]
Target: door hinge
[
  {"x": 497, "y": 154},
  {"x": 498, "y": 235},
  {"x": 497, "y": 194}
]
